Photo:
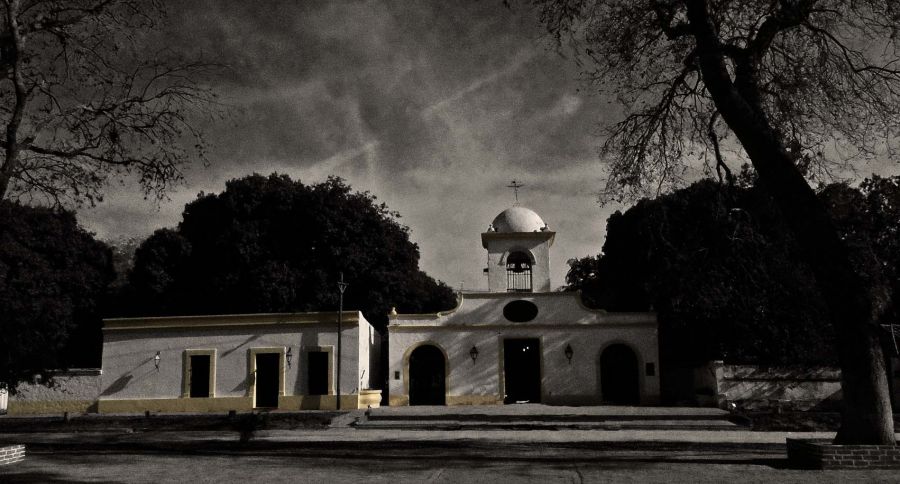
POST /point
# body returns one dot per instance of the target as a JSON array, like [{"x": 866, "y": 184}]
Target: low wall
[
  {"x": 810, "y": 454},
  {"x": 74, "y": 391},
  {"x": 11, "y": 454},
  {"x": 751, "y": 387}
]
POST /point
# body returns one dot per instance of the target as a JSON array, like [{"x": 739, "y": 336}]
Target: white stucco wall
[
  {"x": 561, "y": 321},
  {"x": 364, "y": 346},
  {"x": 129, "y": 371}
]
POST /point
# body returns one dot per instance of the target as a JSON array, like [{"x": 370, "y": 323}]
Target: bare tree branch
[{"x": 96, "y": 100}]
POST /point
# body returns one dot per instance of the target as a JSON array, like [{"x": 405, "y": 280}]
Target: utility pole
[{"x": 342, "y": 286}]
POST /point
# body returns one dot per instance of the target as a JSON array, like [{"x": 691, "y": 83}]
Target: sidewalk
[
  {"x": 350, "y": 435},
  {"x": 343, "y": 432}
]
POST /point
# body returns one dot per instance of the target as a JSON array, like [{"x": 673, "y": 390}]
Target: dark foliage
[
  {"x": 271, "y": 244},
  {"x": 53, "y": 275},
  {"x": 727, "y": 281},
  {"x": 869, "y": 218}
]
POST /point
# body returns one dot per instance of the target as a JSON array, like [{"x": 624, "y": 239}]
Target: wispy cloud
[
  {"x": 519, "y": 59},
  {"x": 432, "y": 106}
]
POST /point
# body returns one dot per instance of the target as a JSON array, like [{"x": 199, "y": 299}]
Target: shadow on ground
[{"x": 46, "y": 477}]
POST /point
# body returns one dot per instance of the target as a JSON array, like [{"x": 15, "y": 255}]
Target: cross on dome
[{"x": 515, "y": 185}]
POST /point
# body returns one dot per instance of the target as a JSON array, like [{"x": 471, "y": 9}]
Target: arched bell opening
[{"x": 518, "y": 272}]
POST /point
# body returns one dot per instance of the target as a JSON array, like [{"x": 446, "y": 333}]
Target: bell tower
[{"x": 518, "y": 244}]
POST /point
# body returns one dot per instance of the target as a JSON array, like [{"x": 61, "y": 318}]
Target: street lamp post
[{"x": 342, "y": 286}]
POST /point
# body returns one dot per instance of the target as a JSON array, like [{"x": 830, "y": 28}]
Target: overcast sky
[{"x": 432, "y": 106}]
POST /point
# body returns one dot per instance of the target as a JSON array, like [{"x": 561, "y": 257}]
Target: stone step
[
  {"x": 536, "y": 424},
  {"x": 550, "y": 418}
]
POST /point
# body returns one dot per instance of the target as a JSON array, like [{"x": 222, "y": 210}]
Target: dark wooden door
[
  {"x": 522, "y": 370},
  {"x": 267, "y": 379},
  {"x": 427, "y": 376},
  {"x": 619, "y": 378}
]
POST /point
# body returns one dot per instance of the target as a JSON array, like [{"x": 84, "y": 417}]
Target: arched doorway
[
  {"x": 619, "y": 378},
  {"x": 427, "y": 376}
]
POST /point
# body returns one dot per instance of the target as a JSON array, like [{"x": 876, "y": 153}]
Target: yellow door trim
[{"x": 251, "y": 369}]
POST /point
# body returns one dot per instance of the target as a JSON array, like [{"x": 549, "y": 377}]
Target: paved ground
[
  {"x": 680, "y": 467},
  {"x": 374, "y": 437},
  {"x": 342, "y": 452}
]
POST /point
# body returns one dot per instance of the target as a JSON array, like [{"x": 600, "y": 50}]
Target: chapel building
[{"x": 521, "y": 342}]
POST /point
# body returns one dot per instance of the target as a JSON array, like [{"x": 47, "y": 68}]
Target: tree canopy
[
  {"x": 795, "y": 86},
  {"x": 53, "y": 276},
  {"x": 272, "y": 244},
  {"x": 89, "y": 93},
  {"x": 723, "y": 279}
]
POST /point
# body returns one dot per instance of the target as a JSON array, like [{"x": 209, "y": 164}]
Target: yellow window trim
[
  {"x": 305, "y": 355},
  {"x": 186, "y": 375}
]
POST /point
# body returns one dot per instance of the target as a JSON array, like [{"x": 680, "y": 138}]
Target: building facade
[
  {"x": 237, "y": 362},
  {"x": 519, "y": 342}
]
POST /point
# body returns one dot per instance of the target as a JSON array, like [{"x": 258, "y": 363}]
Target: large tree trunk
[
  {"x": 854, "y": 309},
  {"x": 12, "y": 142}
]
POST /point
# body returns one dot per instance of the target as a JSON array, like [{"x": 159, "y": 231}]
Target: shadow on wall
[
  {"x": 301, "y": 383},
  {"x": 245, "y": 343},
  {"x": 243, "y": 385},
  {"x": 118, "y": 385},
  {"x": 553, "y": 309},
  {"x": 468, "y": 377}
]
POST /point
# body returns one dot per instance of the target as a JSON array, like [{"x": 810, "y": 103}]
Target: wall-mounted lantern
[
  {"x": 569, "y": 353},
  {"x": 288, "y": 356},
  {"x": 156, "y": 361},
  {"x": 473, "y": 353}
]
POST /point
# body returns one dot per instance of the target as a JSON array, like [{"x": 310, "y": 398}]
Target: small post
[{"x": 342, "y": 286}]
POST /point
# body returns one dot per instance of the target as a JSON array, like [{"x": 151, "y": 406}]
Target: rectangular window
[
  {"x": 651, "y": 369},
  {"x": 199, "y": 374},
  {"x": 317, "y": 371}
]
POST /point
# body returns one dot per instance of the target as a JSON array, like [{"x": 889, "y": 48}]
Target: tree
[
  {"x": 53, "y": 276},
  {"x": 722, "y": 274},
  {"x": 800, "y": 84},
  {"x": 86, "y": 97},
  {"x": 882, "y": 202},
  {"x": 271, "y": 244}
]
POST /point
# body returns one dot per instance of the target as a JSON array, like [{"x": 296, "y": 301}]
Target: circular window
[{"x": 520, "y": 311}]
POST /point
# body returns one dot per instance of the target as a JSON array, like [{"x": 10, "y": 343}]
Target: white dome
[{"x": 518, "y": 219}]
